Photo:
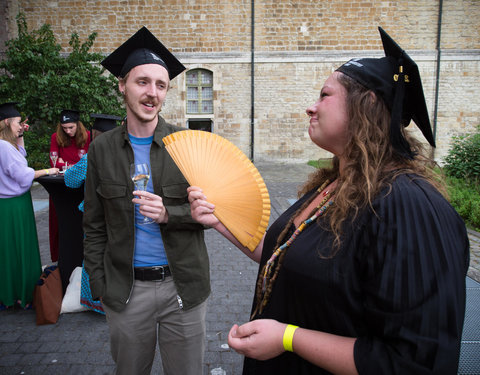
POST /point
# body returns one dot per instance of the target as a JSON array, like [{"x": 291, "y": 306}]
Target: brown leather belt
[{"x": 156, "y": 273}]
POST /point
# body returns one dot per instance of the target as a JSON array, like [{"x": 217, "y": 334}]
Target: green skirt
[{"x": 20, "y": 265}]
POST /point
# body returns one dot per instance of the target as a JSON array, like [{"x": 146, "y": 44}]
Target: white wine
[
  {"x": 54, "y": 160},
  {"x": 140, "y": 174},
  {"x": 141, "y": 181}
]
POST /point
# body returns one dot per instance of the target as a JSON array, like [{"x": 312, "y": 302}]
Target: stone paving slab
[
  {"x": 79, "y": 344},
  {"x": 474, "y": 269}
]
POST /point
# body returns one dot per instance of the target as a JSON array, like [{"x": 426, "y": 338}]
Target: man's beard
[{"x": 136, "y": 111}]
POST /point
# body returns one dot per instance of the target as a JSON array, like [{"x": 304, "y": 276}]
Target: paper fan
[{"x": 228, "y": 179}]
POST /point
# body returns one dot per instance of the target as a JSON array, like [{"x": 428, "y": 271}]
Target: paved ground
[{"x": 78, "y": 343}]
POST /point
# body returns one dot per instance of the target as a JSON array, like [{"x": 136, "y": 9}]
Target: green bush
[
  {"x": 43, "y": 82},
  {"x": 463, "y": 159},
  {"x": 462, "y": 167},
  {"x": 465, "y": 198}
]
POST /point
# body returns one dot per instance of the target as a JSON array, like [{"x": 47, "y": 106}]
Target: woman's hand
[
  {"x": 45, "y": 172},
  {"x": 201, "y": 210},
  {"x": 259, "y": 339},
  {"x": 151, "y": 205},
  {"x": 25, "y": 126},
  {"x": 262, "y": 339}
]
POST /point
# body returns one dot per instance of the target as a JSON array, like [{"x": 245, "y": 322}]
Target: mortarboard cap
[
  {"x": 142, "y": 48},
  {"x": 8, "y": 110},
  {"x": 396, "y": 79},
  {"x": 69, "y": 115},
  {"x": 104, "y": 123}
]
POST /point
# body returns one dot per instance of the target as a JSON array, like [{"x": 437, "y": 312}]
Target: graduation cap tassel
[{"x": 396, "y": 137}]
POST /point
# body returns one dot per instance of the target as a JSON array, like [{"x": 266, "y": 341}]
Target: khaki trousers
[{"x": 153, "y": 314}]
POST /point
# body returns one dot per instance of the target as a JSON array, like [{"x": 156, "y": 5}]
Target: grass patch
[{"x": 321, "y": 163}]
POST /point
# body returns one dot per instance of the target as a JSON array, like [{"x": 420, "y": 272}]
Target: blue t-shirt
[{"x": 149, "y": 249}]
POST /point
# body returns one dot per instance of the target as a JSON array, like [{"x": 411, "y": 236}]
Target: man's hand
[{"x": 151, "y": 205}]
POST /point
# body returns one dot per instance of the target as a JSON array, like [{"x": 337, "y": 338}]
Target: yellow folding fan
[{"x": 228, "y": 179}]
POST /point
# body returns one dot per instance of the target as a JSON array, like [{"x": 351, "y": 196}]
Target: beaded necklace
[{"x": 321, "y": 209}]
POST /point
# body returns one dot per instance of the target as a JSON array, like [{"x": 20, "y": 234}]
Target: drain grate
[{"x": 470, "y": 349}]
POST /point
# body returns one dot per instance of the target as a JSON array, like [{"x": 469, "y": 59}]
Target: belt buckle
[{"x": 158, "y": 268}]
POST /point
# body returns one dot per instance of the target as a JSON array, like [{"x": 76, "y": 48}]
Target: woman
[
  {"x": 375, "y": 280},
  {"x": 70, "y": 141},
  {"x": 75, "y": 178},
  {"x": 20, "y": 265}
]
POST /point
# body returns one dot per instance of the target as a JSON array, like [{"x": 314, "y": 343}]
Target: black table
[{"x": 70, "y": 231}]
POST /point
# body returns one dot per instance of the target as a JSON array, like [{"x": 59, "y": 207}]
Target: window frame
[{"x": 199, "y": 85}]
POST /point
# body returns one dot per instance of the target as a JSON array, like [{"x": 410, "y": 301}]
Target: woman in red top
[
  {"x": 71, "y": 142},
  {"x": 70, "y": 138}
]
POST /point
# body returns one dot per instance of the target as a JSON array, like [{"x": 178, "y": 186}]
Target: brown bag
[{"x": 47, "y": 297}]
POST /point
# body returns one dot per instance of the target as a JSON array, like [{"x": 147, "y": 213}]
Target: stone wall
[{"x": 297, "y": 45}]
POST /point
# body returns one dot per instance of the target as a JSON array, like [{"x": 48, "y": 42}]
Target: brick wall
[
  {"x": 297, "y": 45},
  {"x": 185, "y": 26}
]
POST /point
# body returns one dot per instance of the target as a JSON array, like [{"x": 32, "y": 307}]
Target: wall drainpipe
[
  {"x": 252, "y": 83},
  {"x": 437, "y": 78}
]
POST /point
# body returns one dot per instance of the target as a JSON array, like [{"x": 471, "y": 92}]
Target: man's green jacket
[{"x": 109, "y": 217}]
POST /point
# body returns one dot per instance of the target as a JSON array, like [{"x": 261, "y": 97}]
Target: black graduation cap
[
  {"x": 396, "y": 79},
  {"x": 142, "y": 48},
  {"x": 104, "y": 123},
  {"x": 8, "y": 110},
  {"x": 69, "y": 115}
]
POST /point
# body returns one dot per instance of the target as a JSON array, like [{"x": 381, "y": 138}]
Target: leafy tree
[{"x": 43, "y": 82}]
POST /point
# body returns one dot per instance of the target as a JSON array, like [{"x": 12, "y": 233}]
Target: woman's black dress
[{"x": 397, "y": 284}]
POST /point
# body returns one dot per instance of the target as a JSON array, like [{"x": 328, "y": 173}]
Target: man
[{"x": 152, "y": 279}]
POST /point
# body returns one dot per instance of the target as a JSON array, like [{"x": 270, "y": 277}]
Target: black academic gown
[{"x": 397, "y": 284}]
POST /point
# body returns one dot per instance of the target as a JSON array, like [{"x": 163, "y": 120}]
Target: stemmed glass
[
  {"x": 140, "y": 174},
  {"x": 81, "y": 152},
  {"x": 54, "y": 157}
]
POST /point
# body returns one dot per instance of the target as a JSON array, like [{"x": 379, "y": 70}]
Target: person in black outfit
[{"x": 365, "y": 274}]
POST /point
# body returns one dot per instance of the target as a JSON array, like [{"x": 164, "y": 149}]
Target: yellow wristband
[
  {"x": 288, "y": 337},
  {"x": 46, "y": 171}
]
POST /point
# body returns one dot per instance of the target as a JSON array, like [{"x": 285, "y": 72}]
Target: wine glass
[
  {"x": 140, "y": 174},
  {"x": 81, "y": 152},
  {"x": 54, "y": 157}
]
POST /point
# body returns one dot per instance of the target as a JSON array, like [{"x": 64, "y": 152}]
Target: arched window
[{"x": 199, "y": 91}]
